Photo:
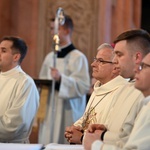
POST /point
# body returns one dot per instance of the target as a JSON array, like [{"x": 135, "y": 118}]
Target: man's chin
[
  {"x": 121, "y": 74},
  {"x": 137, "y": 85}
]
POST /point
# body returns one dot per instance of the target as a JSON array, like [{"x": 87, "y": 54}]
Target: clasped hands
[
  {"x": 73, "y": 134},
  {"x": 92, "y": 134}
]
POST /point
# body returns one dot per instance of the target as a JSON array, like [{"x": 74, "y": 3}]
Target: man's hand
[
  {"x": 94, "y": 127},
  {"x": 73, "y": 134},
  {"x": 68, "y": 132},
  {"x": 55, "y": 74},
  {"x": 89, "y": 138}
]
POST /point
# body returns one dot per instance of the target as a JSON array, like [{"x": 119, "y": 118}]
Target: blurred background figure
[{"x": 72, "y": 84}]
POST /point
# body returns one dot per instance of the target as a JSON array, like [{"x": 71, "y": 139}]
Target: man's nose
[
  {"x": 115, "y": 60},
  {"x": 93, "y": 63}
]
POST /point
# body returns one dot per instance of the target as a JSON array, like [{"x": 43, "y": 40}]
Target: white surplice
[
  {"x": 140, "y": 135},
  {"x": 19, "y": 101},
  {"x": 70, "y": 100}
]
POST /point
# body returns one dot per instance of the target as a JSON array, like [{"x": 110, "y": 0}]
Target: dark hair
[
  {"x": 139, "y": 39},
  {"x": 68, "y": 22},
  {"x": 18, "y": 46}
]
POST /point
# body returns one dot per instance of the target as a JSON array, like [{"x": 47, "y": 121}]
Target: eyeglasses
[
  {"x": 143, "y": 66},
  {"x": 100, "y": 60}
]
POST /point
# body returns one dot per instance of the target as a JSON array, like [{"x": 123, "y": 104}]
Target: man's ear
[
  {"x": 17, "y": 57},
  {"x": 68, "y": 31},
  {"x": 138, "y": 57}
]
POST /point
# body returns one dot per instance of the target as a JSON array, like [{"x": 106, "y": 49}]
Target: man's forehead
[
  {"x": 120, "y": 44},
  {"x": 104, "y": 53},
  {"x": 120, "y": 50},
  {"x": 6, "y": 43}
]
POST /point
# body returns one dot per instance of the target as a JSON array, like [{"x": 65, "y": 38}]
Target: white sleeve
[
  {"x": 78, "y": 82},
  {"x": 96, "y": 145}
]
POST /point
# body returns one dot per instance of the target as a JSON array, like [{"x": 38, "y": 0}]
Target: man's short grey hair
[{"x": 105, "y": 45}]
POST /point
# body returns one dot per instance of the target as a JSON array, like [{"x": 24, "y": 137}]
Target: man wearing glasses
[
  {"x": 102, "y": 99},
  {"x": 130, "y": 47},
  {"x": 140, "y": 135}
]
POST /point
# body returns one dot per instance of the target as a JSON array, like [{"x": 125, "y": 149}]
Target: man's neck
[
  {"x": 67, "y": 41},
  {"x": 64, "y": 45}
]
